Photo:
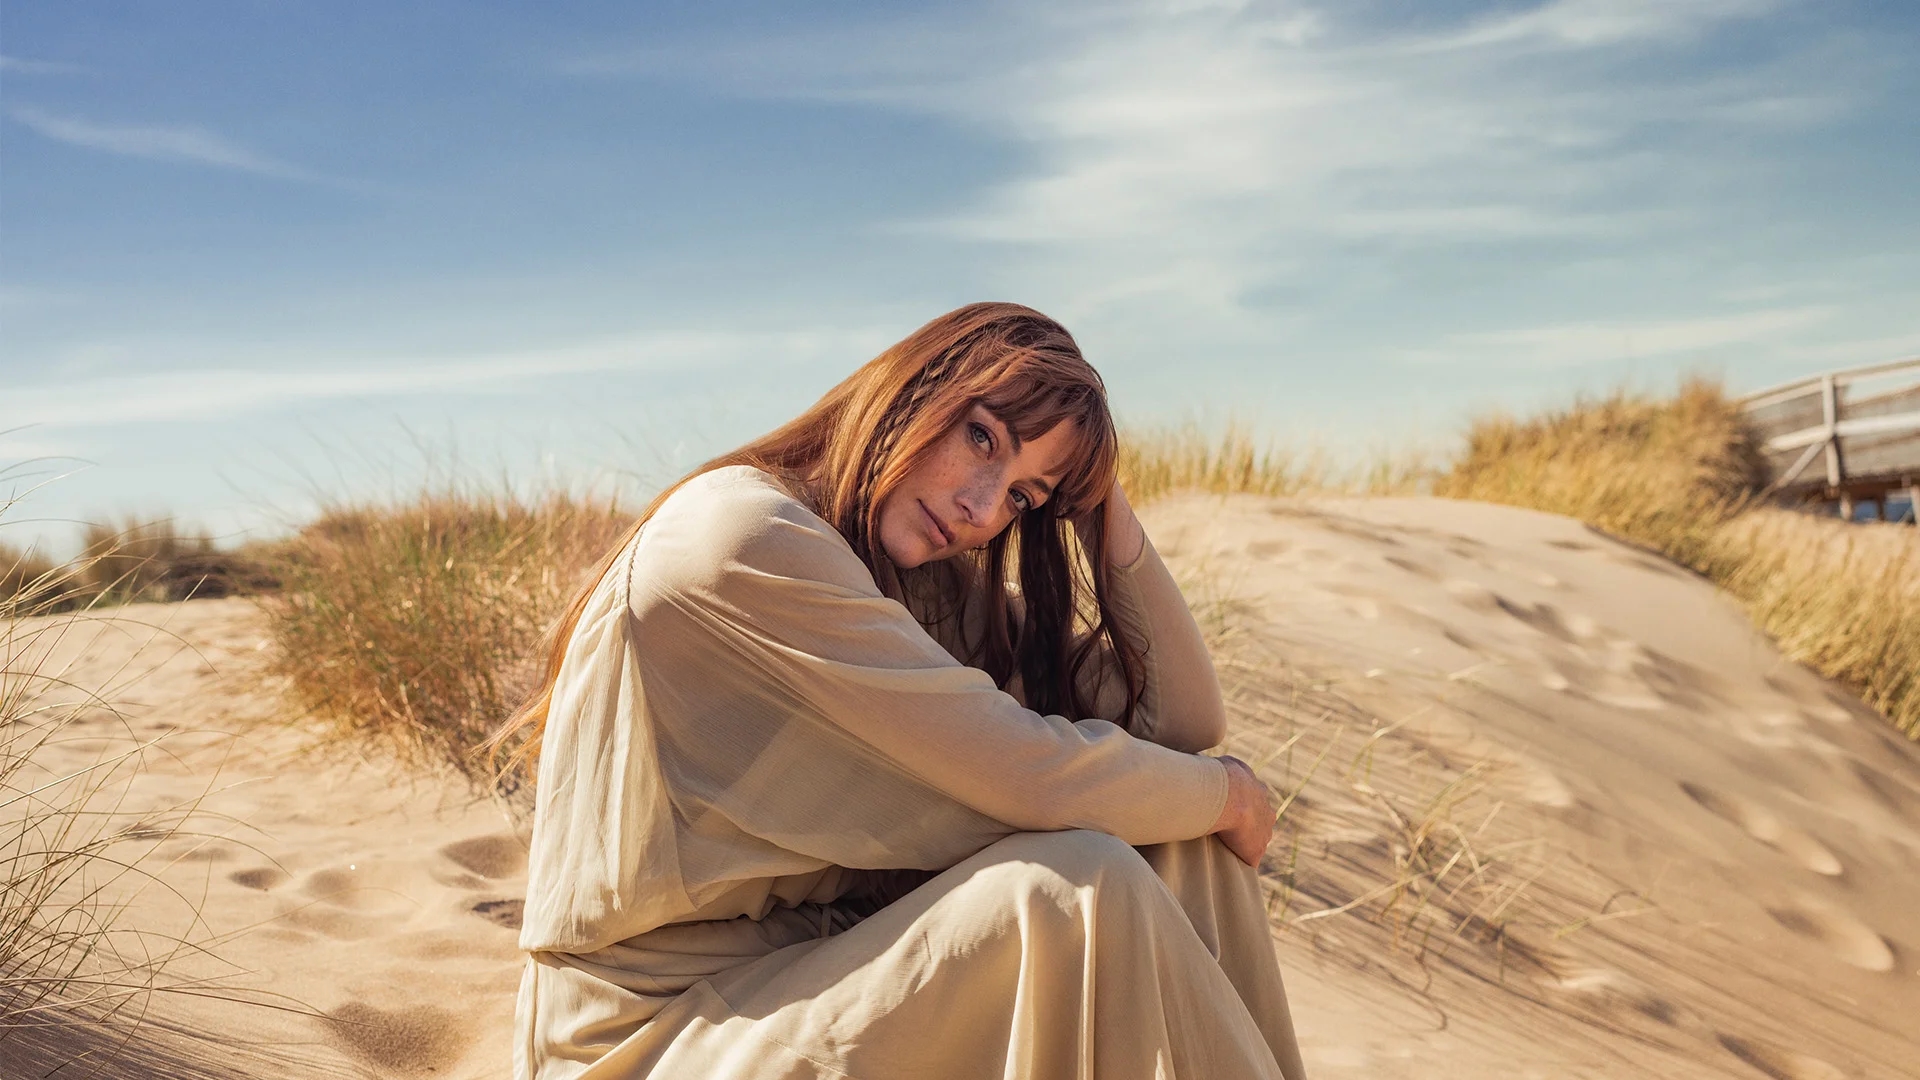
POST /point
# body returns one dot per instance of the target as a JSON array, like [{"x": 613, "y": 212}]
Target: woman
[{"x": 810, "y": 803}]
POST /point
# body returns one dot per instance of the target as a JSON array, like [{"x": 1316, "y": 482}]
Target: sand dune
[
  {"x": 1712, "y": 853},
  {"x": 1629, "y": 838}
]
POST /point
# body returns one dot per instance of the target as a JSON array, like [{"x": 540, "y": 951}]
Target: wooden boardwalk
[{"x": 1850, "y": 437}]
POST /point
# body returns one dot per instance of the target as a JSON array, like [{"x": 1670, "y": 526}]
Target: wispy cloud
[
  {"x": 1578, "y": 343},
  {"x": 1241, "y": 141},
  {"x": 1851, "y": 352},
  {"x": 1584, "y": 24},
  {"x": 219, "y": 392},
  {"x": 158, "y": 142}
]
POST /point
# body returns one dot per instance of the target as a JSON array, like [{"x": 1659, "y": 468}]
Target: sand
[
  {"x": 368, "y": 911},
  {"x": 1556, "y": 810}
]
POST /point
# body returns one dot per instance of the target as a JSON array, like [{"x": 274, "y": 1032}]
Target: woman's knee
[{"x": 1078, "y": 858}]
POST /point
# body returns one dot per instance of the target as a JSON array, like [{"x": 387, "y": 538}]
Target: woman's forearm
[{"x": 1182, "y": 706}]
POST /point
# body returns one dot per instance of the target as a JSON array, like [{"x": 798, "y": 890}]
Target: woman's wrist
[
  {"x": 1235, "y": 807},
  {"x": 1246, "y": 825}
]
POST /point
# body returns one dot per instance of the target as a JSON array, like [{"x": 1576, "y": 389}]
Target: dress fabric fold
[{"x": 780, "y": 830}]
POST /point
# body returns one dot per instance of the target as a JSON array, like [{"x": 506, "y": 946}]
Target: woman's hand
[{"x": 1246, "y": 824}]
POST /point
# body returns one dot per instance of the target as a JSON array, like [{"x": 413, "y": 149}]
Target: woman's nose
[{"x": 976, "y": 503}]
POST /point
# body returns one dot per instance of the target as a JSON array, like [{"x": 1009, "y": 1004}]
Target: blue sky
[{"x": 256, "y": 251}]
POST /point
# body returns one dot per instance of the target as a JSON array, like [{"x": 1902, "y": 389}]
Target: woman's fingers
[
  {"x": 1246, "y": 825},
  {"x": 1249, "y": 841}
]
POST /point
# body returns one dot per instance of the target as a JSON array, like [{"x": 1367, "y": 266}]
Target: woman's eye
[
  {"x": 1021, "y": 502},
  {"x": 981, "y": 436}
]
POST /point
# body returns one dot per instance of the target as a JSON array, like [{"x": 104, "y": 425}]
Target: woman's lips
[{"x": 939, "y": 530}]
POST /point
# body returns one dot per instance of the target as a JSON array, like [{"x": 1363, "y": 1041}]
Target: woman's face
[{"x": 974, "y": 482}]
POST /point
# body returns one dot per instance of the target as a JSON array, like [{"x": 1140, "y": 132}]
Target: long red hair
[{"x": 856, "y": 444}]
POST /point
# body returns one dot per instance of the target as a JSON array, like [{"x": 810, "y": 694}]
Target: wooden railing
[{"x": 1863, "y": 426}]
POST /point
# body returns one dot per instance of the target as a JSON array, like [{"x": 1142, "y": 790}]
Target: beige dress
[{"x": 780, "y": 831}]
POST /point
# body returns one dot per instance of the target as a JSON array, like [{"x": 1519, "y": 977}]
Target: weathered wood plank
[{"x": 1829, "y": 436}]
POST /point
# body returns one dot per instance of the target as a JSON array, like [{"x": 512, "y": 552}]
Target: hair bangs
[{"x": 1030, "y": 408}]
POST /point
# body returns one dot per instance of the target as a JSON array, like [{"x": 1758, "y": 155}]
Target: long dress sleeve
[
  {"x": 748, "y": 706},
  {"x": 1181, "y": 707}
]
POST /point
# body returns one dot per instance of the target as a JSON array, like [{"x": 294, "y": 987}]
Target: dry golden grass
[
  {"x": 1386, "y": 847},
  {"x": 1842, "y": 599},
  {"x": 1155, "y": 461},
  {"x": 76, "y": 979},
  {"x": 1438, "y": 874},
  {"x": 1379, "y": 840},
  {"x": 128, "y": 562},
  {"x": 1662, "y": 473},
  {"x": 155, "y": 560},
  {"x": 418, "y": 623},
  {"x": 25, "y": 576},
  {"x": 1434, "y": 871}
]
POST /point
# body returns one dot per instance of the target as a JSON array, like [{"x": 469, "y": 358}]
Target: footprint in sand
[
  {"x": 1850, "y": 939},
  {"x": 1472, "y": 595},
  {"x": 347, "y": 903},
  {"x": 1416, "y": 569},
  {"x": 418, "y": 1040},
  {"x": 1613, "y": 991},
  {"x": 1891, "y": 793},
  {"x": 1778, "y": 1061},
  {"x": 343, "y": 888},
  {"x": 1662, "y": 678},
  {"x": 1816, "y": 702},
  {"x": 495, "y": 856},
  {"x": 261, "y": 878},
  {"x": 1542, "y": 617},
  {"x": 507, "y": 913},
  {"x": 1765, "y": 826}
]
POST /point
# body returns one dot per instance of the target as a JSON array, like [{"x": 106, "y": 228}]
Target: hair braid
[{"x": 905, "y": 406}]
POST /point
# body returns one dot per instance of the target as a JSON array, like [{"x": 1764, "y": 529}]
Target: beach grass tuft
[
  {"x": 1231, "y": 460},
  {"x": 76, "y": 845},
  {"x": 29, "y": 580},
  {"x": 1662, "y": 472},
  {"x": 136, "y": 560},
  {"x": 417, "y": 623},
  {"x": 1155, "y": 461},
  {"x": 132, "y": 560},
  {"x": 1842, "y": 599}
]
